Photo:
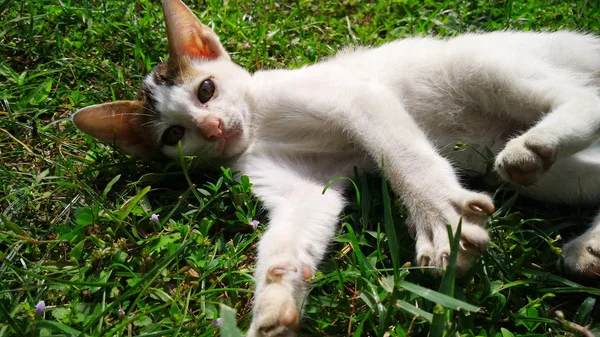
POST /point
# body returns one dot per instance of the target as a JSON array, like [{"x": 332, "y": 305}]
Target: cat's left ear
[
  {"x": 117, "y": 123},
  {"x": 188, "y": 36}
]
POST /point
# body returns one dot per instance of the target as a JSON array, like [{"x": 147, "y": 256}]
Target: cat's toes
[
  {"x": 582, "y": 255},
  {"x": 276, "y": 307},
  {"x": 276, "y": 313},
  {"x": 425, "y": 251},
  {"x": 474, "y": 240},
  {"x": 473, "y": 206},
  {"x": 523, "y": 161},
  {"x": 277, "y": 272}
]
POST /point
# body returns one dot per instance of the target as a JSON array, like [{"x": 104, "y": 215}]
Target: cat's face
[
  {"x": 197, "y": 97},
  {"x": 202, "y": 104}
]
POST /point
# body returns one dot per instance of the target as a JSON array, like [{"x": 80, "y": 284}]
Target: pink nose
[{"x": 211, "y": 128}]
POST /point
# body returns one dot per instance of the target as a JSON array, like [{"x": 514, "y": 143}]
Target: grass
[{"x": 75, "y": 227}]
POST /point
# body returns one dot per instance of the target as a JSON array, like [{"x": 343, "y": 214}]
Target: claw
[
  {"x": 444, "y": 261},
  {"x": 468, "y": 245},
  {"x": 423, "y": 260},
  {"x": 482, "y": 207}
]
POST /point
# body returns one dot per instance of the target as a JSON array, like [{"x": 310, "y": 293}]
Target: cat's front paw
[
  {"x": 524, "y": 159},
  {"x": 277, "y": 304},
  {"x": 433, "y": 243},
  {"x": 582, "y": 255}
]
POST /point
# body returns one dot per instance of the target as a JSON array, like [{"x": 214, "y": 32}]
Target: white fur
[{"x": 405, "y": 104}]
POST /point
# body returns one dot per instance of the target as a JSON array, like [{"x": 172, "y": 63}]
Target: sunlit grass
[{"x": 76, "y": 232}]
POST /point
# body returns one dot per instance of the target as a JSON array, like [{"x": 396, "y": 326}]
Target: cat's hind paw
[
  {"x": 582, "y": 255},
  {"x": 276, "y": 307},
  {"x": 522, "y": 161}
]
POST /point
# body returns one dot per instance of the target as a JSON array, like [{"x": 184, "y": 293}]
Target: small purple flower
[
  {"x": 246, "y": 45},
  {"x": 121, "y": 312},
  {"x": 39, "y": 308},
  {"x": 254, "y": 224},
  {"x": 216, "y": 323},
  {"x": 154, "y": 218}
]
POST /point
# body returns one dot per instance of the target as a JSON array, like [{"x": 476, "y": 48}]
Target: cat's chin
[{"x": 234, "y": 144}]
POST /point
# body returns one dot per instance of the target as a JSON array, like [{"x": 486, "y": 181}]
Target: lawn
[{"x": 76, "y": 225}]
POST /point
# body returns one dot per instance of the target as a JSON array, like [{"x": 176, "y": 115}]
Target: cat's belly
[{"x": 470, "y": 140}]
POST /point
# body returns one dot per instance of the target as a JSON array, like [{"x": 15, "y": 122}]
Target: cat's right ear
[
  {"x": 116, "y": 123},
  {"x": 188, "y": 36}
]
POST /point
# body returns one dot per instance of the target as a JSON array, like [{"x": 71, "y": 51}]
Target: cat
[{"x": 530, "y": 98}]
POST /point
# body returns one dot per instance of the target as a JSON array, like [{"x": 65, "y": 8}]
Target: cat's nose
[{"x": 211, "y": 128}]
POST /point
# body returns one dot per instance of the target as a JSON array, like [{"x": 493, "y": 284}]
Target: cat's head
[{"x": 198, "y": 97}]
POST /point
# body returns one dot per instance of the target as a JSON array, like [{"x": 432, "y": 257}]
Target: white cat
[{"x": 531, "y": 98}]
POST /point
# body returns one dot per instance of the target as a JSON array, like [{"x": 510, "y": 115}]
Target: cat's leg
[
  {"x": 571, "y": 124},
  {"x": 374, "y": 118},
  {"x": 425, "y": 181},
  {"x": 575, "y": 179},
  {"x": 301, "y": 224}
]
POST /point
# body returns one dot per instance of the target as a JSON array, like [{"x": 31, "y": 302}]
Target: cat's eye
[
  {"x": 172, "y": 135},
  {"x": 206, "y": 90}
]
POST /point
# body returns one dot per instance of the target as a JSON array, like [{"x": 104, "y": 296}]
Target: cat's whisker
[
  {"x": 148, "y": 123},
  {"x": 155, "y": 112},
  {"x": 143, "y": 115},
  {"x": 126, "y": 114}
]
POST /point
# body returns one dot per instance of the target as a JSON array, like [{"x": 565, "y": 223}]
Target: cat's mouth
[{"x": 230, "y": 140}]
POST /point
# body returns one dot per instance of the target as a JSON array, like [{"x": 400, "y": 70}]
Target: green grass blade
[
  {"x": 448, "y": 280},
  {"x": 356, "y": 190},
  {"x": 12, "y": 226},
  {"x": 130, "y": 204},
  {"x": 411, "y": 309},
  {"x": 363, "y": 265},
  {"x": 388, "y": 223},
  {"x": 585, "y": 311},
  {"x": 228, "y": 322},
  {"x": 436, "y": 297},
  {"x": 442, "y": 316},
  {"x": 58, "y": 327},
  {"x": 110, "y": 185},
  {"x": 365, "y": 205},
  {"x": 60, "y": 281},
  {"x": 438, "y": 322},
  {"x": 160, "y": 333}
]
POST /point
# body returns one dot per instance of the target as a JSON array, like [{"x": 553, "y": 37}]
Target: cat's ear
[
  {"x": 188, "y": 36},
  {"x": 116, "y": 123}
]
